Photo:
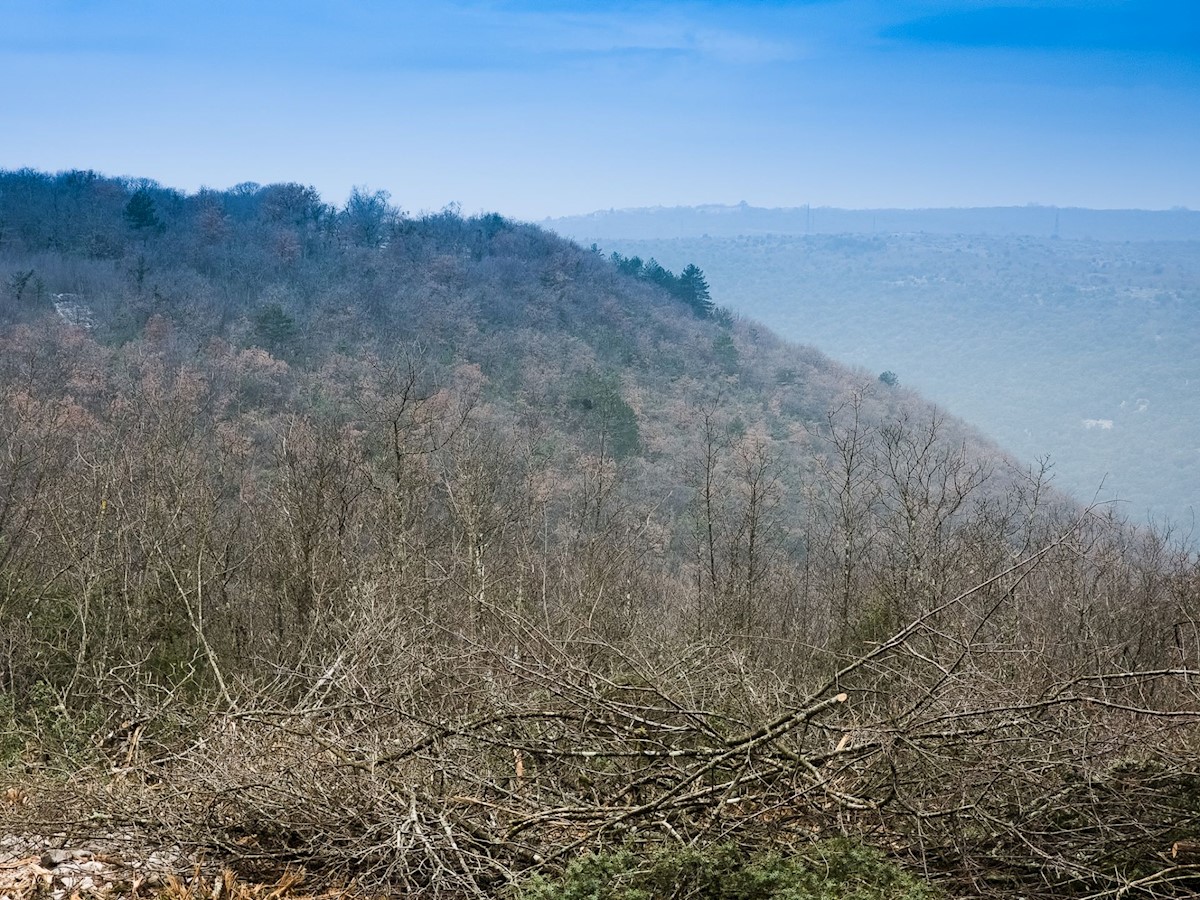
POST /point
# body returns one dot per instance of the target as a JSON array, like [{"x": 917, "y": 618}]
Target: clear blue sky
[{"x": 538, "y": 107}]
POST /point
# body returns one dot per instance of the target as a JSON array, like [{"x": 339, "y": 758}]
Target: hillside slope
[{"x": 435, "y": 551}]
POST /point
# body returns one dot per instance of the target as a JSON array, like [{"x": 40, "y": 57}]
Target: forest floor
[{"x": 126, "y": 866}]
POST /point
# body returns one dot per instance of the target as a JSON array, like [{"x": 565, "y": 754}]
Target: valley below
[{"x": 1075, "y": 350}]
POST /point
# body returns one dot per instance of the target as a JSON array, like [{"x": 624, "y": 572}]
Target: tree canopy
[{"x": 690, "y": 286}]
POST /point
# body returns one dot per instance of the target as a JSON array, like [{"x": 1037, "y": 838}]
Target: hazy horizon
[{"x": 536, "y": 108}]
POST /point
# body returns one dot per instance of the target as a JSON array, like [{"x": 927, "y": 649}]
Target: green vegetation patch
[
  {"x": 596, "y": 401},
  {"x": 828, "y": 870}
]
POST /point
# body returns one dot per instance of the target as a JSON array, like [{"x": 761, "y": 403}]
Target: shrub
[{"x": 827, "y": 870}]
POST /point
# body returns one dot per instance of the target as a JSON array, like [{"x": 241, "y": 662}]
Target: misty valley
[{"x": 1057, "y": 344}]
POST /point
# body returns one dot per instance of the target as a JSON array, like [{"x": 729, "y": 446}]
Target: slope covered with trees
[{"x": 435, "y": 550}]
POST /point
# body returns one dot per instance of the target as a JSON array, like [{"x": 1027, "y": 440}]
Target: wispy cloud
[
  {"x": 701, "y": 32},
  {"x": 371, "y": 34}
]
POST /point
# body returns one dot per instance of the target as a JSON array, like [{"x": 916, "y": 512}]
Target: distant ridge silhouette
[{"x": 715, "y": 220}]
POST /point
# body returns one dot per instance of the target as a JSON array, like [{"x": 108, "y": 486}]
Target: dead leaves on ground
[{"x": 106, "y": 879}]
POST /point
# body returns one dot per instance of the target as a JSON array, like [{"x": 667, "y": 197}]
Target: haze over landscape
[
  {"x": 1067, "y": 335},
  {"x": 518, "y": 448}
]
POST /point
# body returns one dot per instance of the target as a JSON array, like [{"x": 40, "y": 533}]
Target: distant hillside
[
  {"x": 425, "y": 556},
  {"x": 655, "y": 223}
]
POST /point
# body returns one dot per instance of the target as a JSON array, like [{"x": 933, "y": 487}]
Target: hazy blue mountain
[{"x": 716, "y": 220}]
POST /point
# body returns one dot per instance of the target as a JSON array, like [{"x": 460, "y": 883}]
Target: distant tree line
[{"x": 218, "y": 252}]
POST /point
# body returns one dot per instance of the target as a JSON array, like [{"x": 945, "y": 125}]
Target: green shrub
[
  {"x": 598, "y": 406},
  {"x": 827, "y": 870},
  {"x": 42, "y": 720}
]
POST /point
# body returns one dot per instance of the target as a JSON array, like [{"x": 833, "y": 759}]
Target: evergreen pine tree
[
  {"x": 140, "y": 212},
  {"x": 693, "y": 290}
]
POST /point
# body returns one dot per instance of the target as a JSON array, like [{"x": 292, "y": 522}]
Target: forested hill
[
  {"x": 433, "y": 551},
  {"x": 612, "y": 356},
  {"x": 743, "y": 220}
]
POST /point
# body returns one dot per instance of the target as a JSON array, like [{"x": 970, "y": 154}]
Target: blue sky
[{"x": 539, "y": 107}]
